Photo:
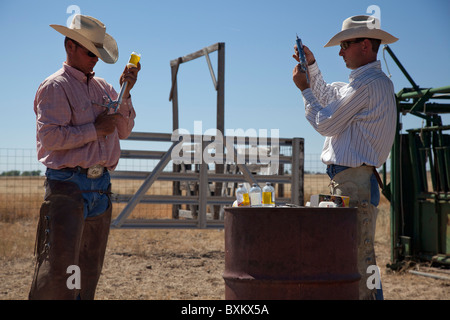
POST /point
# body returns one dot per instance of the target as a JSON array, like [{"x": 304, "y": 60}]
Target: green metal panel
[
  {"x": 419, "y": 190},
  {"x": 434, "y": 228},
  {"x": 444, "y": 227},
  {"x": 428, "y": 229},
  {"x": 447, "y": 226}
]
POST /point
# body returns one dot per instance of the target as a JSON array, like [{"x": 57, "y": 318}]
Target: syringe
[
  {"x": 303, "y": 63},
  {"x": 133, "y": 62}
]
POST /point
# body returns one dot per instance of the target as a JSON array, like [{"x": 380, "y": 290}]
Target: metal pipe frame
[
  {"x": 415, "y": 101},
  {"x": 203, "y": 177}
]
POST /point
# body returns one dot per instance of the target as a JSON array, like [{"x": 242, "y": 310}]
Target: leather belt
[
  {"x": 375, "y": 173},
  {"x": 76, "y": 169},
  {"x": 93, "y": 172},
  {"x": 377, "y": 176}
]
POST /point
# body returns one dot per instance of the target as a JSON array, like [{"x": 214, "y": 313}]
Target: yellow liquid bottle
[
  {"x": 246, "y": 199},
  {"x": 242, "y": 197},
  {"x": 134, "y": 59},
  {"x": 268, "y": 196}
]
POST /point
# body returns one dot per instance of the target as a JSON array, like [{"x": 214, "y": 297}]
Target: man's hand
[
  {"x": 299, "y": 77},
  {"x": 129, "y": 75},
  {"x": 308, "y": 55},
  {"x": 105, "y": 123}
]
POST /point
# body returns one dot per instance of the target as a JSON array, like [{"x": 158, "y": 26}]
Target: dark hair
[
  {"x": 65, "y": 41},
  {"x": 375, "y": 43}
]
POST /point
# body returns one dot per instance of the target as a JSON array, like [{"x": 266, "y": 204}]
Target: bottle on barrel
[
  {"x": 255, "y": 196},
  {"x": 268, "y": 195},
  {"x": 242, "y": 196}
]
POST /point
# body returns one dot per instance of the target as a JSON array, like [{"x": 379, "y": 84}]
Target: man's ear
[
  {"x": 366, "y": 46},
  {"x": 70, "y": 46}
]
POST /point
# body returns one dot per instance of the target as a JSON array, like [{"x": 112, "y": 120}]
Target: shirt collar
[
  {"x": 77, "y": 74},
  {"x": 357, "y": 72}
]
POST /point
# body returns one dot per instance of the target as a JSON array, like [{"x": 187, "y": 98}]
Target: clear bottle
[
  {"x": 242, "y": 196},
  {"x": 255, "y": 196},
  {"x": 268, "y": 195}
]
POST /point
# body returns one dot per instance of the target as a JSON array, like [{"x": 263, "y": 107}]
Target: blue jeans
[
  {"x": 334, "y": 169},
  {"x": 95, "y": 203}
]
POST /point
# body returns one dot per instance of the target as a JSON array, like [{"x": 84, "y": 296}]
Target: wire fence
[{"x": 22, "y": 183}]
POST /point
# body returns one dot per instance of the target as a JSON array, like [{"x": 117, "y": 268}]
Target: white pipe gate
[{"x": 295, "y": 159}]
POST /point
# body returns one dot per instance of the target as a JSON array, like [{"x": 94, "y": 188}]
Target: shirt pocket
[
  {"x": 100, "y": 98},
  {"x": 82, "y": 112}
]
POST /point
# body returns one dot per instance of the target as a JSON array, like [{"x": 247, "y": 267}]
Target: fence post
[
  {"x": 176, "y": 191},
  {"x": 220, "y": 122},
  {"x": 203, "y": 191},
  {"x": 298, "y": 159}
]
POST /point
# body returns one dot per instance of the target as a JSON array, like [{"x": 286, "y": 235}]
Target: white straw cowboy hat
[
  {"x": 91, "y": 34},
  {"x": 361, "y": 27}
]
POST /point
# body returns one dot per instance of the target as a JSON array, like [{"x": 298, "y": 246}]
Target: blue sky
[{"x": 259, "y": 38}]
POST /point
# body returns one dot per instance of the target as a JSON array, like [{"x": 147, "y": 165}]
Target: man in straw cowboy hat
[
  {"x": 78, "y": 142},
  {"x": 358, "y": 120}
]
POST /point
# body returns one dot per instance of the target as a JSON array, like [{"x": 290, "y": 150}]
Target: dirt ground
[{"x": 175, "y": 265}]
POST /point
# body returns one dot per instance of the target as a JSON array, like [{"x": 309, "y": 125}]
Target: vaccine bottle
[
  {"x": 255, "y": 196},
  {"x": 134, "y": 59},
  {"x": 268, "y": 195},
  {"x": 242, "y": 196}
]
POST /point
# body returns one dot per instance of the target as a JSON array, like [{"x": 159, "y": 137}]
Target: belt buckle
[{"x": 95, "y": 172}]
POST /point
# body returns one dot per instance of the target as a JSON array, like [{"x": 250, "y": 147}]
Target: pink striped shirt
[{"x": 66, "y": 106}]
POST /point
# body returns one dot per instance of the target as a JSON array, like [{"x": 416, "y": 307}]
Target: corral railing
[{"x": 247, "y": 160}]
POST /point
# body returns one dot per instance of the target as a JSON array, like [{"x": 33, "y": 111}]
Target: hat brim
[
  {"x": 362, "y": 32},
  {"x": 109, "y": 53}
]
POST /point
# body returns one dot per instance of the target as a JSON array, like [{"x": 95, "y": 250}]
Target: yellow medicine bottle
[{"x": 134, "y": 59}]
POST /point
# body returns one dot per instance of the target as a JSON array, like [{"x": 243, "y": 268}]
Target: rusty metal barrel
[{"x": 283, "y": 253}]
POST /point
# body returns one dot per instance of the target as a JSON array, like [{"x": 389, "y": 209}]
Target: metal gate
[
  {"x": 287, "y": 156},
  {"x": 419, "y": 190}
]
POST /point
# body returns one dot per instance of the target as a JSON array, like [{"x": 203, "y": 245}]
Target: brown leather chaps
[
  {"x": 355, "y": 183},
  {"x": 65, "y": 238}
]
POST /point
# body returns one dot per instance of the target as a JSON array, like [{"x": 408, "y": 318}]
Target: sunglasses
[
  {"x": 346, "y": 44},
  {"x": 89, "y": 53}
]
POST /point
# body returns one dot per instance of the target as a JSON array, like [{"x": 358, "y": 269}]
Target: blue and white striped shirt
[{"x": 358, "y": 118}]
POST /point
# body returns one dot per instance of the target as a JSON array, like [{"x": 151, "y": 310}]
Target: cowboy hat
[
  {"x": 361, "y": 27},
  {"x": 91, "y": 34}
]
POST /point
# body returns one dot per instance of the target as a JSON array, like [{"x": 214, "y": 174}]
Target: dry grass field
[{"x": 164, "y": 264}]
